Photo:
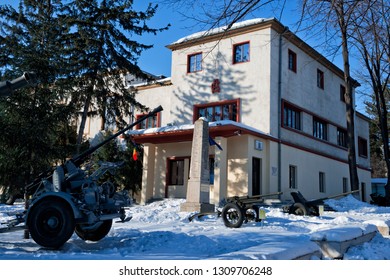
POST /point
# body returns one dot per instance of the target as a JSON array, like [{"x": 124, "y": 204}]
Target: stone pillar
[{"x": 198, "y": 187}]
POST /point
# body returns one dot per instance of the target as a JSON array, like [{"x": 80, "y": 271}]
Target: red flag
[{"x": 135, "y": 154}]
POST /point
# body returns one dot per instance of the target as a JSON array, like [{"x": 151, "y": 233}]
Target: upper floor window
[
  {"x": 241, "y": 52},
  {"x": 342, "y": 93},
  {"x": 291, "y": 117},
  {"x": 320, "y": 79},
  {"x": 292, "y": 61},
  {"x": 320, "y": 129},
  {"x": 362, "y": 147},
  {"x": 194, "y": 63},
  {"x": 153, "y": 121},
  {"x": 342, "y": 137},
  {"x": 226, "y": 110}
]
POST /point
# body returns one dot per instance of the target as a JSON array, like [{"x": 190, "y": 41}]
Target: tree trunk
[
  {"x": 350, "y": 114},
  {"x": 82, "y": 123}
]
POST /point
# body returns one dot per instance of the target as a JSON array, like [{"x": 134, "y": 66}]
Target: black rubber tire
[
  {"x": 232, "y": 215},
  {"x": 298, "y": 209},
  {"x": 51, "y": 222},
  {"x": 95, "y": 234}
]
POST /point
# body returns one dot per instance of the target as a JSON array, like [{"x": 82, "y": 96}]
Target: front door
[{"x": 256, "y": 176}]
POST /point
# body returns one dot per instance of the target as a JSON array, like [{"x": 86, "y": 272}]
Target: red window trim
[
  {"x": 158, "y": 122},
  {"x": 294, "y": 66},
  {"x": 188, "y": 62},
  {"x": 321, "y": 82},
  {"x": 233, "y": 52},
  {"x": 219, "y": 103}
]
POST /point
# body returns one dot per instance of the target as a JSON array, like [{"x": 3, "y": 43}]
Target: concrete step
[{"x": 334, "y": 242}]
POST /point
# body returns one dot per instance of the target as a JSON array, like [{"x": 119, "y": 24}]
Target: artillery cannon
[
  {"x": 240, "y": 209},
  {"x": 66, "y": 199},
  {"x": 303, "y": 207},
  {"x": 7, "y": 87}
]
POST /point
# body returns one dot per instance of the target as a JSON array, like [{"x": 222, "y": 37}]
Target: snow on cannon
[
  {"x": 8, "y": 87},
  {"x": 67, "y": 199}
]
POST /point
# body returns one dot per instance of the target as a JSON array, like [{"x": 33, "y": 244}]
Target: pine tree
[
  {"x": 129, "y": 175},
  {"x": 31, "y": 118},
  {"x": 103, "y": 51}
]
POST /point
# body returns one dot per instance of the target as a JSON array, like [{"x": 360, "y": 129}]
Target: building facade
[{"x": 274, "y": 105}]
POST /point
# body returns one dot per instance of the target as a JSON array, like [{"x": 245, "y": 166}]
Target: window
[
  {"x": 194, "y": 63},
  {"x": 321, "y": 181},
  {"x": 342, "y": 93},
  {"x": 291, "y": 117},
  {"x": 226, "y": 110},
  {"x": 345, "y": 185},
  {"x": 342, "y": 137},
  {"x": 320, "y": 79},
  {"x": 176, "y": 172},
  {"x": 292, "y": 61},
  {"x": 362, "y": 147},
  {"x": 211, "y": 170},
  {"x": 150, "y": 122},
  {"x": 241, "y": 52},
  {"x": 292, "y": 177},
  {"x": 320, "y": 129}
]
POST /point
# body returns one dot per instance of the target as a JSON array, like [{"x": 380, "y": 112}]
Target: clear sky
[{"x": 158, "y": 59}]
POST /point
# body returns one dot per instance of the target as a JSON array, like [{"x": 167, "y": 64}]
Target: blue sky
[{"x": 158, "y": 59}]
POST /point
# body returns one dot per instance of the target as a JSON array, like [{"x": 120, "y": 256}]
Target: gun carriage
[{"x": 65, "y": 199}]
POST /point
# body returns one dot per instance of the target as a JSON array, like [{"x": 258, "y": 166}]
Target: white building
[{"x": 274, "y": 105}]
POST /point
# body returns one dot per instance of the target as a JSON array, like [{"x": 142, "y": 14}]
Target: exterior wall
[
  {"x": 260, "y": 84},
  {"x": 246, "y": 81}
]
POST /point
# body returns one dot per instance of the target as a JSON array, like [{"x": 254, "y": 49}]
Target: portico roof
[{"x": 183, "y": 133}]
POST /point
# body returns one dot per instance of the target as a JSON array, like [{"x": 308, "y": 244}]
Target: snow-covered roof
[
  {"x": 221, "y": 29},
  {"x": 177, "y": 128}
]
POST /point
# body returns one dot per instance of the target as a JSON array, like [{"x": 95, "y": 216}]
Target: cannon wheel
[
  {"x": 298, "y": 209},
  {"x": 51, "y": 222},
  {"x": 232, "y": 215},
  {"x": 94, "y": 234}
]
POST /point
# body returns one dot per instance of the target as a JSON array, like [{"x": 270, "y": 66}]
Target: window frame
[
  {"x": 196, "y": 62},
  {"x": 292, "y": 61},
  {"x": 342, "y": 137},
  {"x": 290, "y": 121},
  {"x": 362, "y": 147},
  {"x": 292, "y": 177},
  {"x": 233, "y": 115},
  {"x": 320, "y": 129},
  {"x": 156, "y": 121},
  {"x": 242, "y": 57},
  {"x": 342, "y": 93},
  {"x": 320, "y": 79},
  {"x": 322, "y": 182}
]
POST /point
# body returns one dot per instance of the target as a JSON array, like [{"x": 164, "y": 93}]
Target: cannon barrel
[
  {"x": 7, "y": 87},
  {"x": 80, "y": 159}
]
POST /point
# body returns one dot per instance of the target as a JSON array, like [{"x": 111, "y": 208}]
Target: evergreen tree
[
  {"x": 129, "y": 175},
  {"x": 31, "y": 118},
  {"x": 102, "y": 51}
]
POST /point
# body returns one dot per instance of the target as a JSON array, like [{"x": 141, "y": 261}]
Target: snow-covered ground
[{"x": 159, "y": 231}]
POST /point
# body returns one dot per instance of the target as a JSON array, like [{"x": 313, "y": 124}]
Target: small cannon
[{"x": 240, "y": 209}]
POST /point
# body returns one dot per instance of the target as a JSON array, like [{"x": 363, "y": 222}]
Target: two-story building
[{"x": 274, "y": 104}]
